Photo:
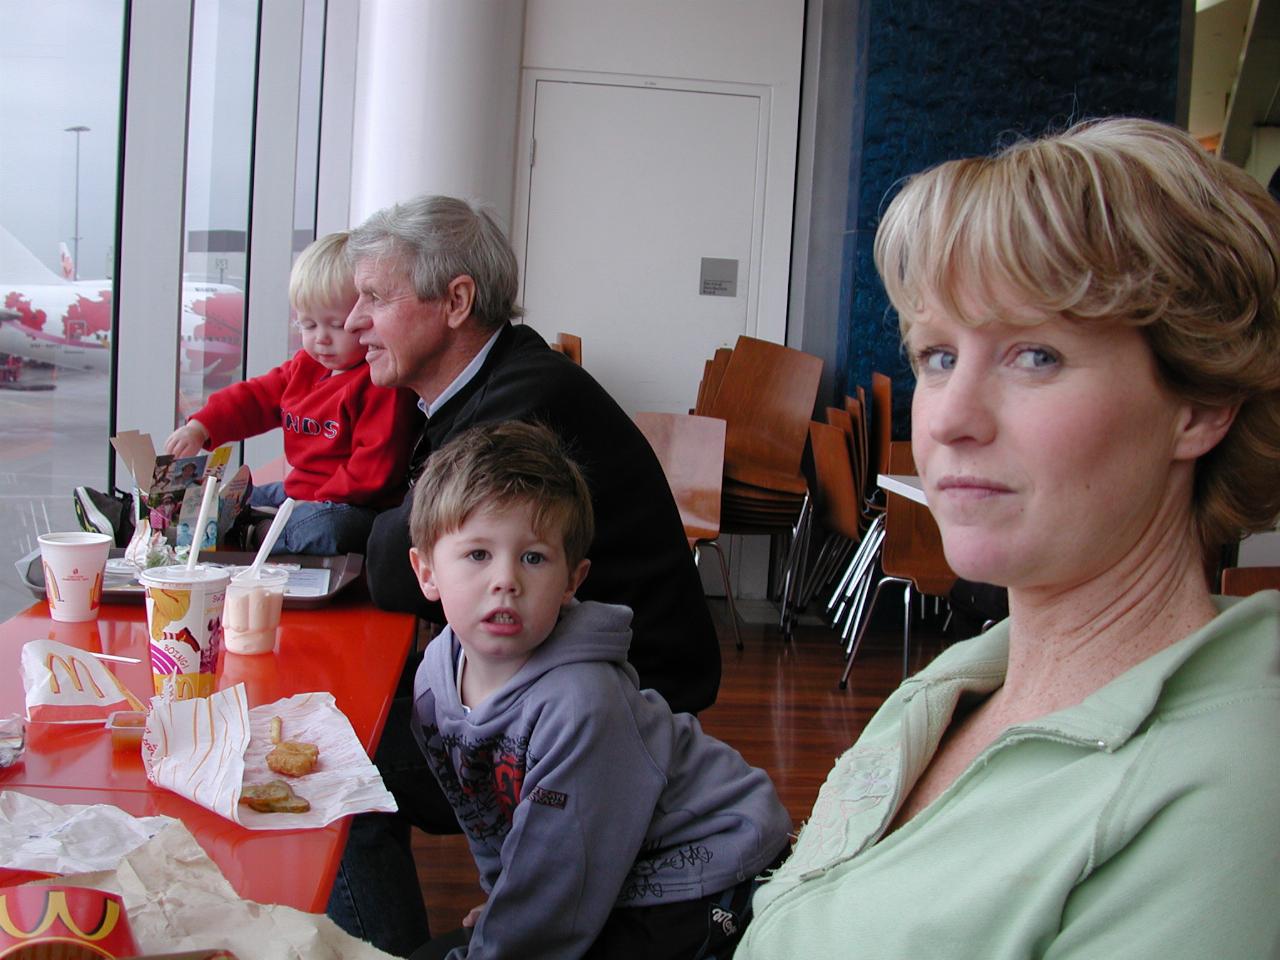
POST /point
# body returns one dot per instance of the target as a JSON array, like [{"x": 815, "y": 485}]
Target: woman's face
[{"x": 1049, "y": 454}]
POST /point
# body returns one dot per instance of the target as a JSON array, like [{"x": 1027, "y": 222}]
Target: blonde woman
[{"x": 1094, "y": 323}]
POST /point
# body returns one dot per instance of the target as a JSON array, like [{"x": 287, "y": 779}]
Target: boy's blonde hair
[
  {"x": 1125, "y": 222},
  {"x": 501, "y": 465},
  {"x": 322, "y": 277}
]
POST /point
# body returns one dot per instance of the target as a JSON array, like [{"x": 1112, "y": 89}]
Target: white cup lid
[
  {"x": 178, "y": 575},
  {"x": 268, "y": 576}
]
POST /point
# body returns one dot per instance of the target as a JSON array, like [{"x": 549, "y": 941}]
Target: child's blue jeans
[{"x": 317, "y": 527}]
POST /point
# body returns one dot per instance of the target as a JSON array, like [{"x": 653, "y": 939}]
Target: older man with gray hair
[{"x": 437, "y": 283}]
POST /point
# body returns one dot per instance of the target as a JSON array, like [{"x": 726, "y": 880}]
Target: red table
[{"x": 349, "y": 648}]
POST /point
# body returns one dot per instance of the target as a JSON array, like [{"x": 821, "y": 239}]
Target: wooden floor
[{"x": 778, "y": 705}]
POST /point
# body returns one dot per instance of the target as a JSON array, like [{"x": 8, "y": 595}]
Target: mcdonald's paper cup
[
  {"x": 73, "y": 568},
  {"x": 184, "y": 617},
  {"x": 44, "y": 923}
]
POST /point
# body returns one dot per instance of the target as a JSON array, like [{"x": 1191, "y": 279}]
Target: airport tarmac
[{"x": 51, "y": 441}]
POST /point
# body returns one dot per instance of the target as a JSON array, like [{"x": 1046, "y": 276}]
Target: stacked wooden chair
[
  {"x": 894, "y": 541},
  {"x": 765, "y": 393}
]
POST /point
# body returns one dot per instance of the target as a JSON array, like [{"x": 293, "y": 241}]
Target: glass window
[
  {"x": 60, "y": 84},
  {"x": 307, "y": 164},
  {"x": 224, "y": 41}
]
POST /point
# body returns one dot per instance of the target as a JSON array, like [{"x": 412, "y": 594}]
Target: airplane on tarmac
[{"x": 66, "y": 322}]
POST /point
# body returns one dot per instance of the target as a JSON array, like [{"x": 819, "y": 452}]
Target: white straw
[
  {"x": 206, "y": 503},
  {"x": 269, "y": 541}
]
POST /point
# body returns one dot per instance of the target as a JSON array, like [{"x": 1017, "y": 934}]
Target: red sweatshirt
[{"x": 347, "y": 440}]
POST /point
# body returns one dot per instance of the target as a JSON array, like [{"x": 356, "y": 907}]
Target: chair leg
[
  {"x": 863, "y": 579},
  {"x": 862, "y": 630},
  {"x": 869, "y": 544},
  {"x": 813, "y": 579},
  {"x": 837, "y": 552},
  {"x": 728, "y": 587},
  {"x": 793, "y": 573},
  {"x": 906, "y": 628}
]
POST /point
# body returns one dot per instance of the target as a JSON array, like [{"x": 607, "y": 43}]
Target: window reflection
[{"x": 61, "y": 65}]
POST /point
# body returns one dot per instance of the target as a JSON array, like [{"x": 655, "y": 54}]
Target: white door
[{"x": 643, "y": 226}]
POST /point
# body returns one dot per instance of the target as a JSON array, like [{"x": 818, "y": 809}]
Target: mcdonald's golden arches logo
[
  {"x": 72, "y": 665},
  {"x": 90, "y": 918}
]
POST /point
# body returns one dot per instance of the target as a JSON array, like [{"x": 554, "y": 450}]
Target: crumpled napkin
[
  {"x": 177, "y": 899},
  {"x": 208, "y": 748},
  {"x": 41, "y": 836}
]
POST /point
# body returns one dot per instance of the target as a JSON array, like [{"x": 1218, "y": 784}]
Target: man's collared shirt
[{"x": 461, "y": 380}]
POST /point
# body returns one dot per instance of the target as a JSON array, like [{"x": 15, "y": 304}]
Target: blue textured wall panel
[{"x": 944, "y": 80}]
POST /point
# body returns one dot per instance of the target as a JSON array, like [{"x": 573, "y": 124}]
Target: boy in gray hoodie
[{"x": 602, "y": 824}]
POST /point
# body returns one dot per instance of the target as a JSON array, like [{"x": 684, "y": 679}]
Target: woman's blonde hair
[
  {"x": 1117, "y": 221},
  {"x": 322, "y": 277}
]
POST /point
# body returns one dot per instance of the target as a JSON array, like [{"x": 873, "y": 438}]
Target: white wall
[
  {"x": 1265, "y": 155},
  {"x": 736, "y": 41}
]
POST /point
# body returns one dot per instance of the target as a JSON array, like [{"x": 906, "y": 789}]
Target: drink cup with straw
[
  {"x": 255, "y": 596},
  {"x": 184, "y": 617}
]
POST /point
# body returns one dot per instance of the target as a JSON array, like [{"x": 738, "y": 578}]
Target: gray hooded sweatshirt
[{"x": 579, "y": 792}]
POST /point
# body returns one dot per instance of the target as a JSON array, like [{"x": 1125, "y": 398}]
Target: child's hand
[
  {"x": 472, "y": 918},
  {"x": 187, "y": 441}
]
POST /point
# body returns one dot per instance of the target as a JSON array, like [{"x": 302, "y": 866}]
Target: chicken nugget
[
  {"x": 275, "y": 796},
  {"x": 293, "y": 758}
]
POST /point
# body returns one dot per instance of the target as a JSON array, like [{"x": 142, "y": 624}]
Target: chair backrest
[
  {"x": 900, "y": 460},
  {"x": 881, "y": 420},
  {"x": 912, "y": 546},
  {"x": 1242, "y": 581},
  {"x": 712, "y": 374},
  {"x": 691, "y": 451},
  {"x": 833, "y": 475},
  {"x": 843, "y": 419},
  {"x": 766, "y": 397},
  {"x": 570, "y": 345},
  {"x": 857, "y": 407}
]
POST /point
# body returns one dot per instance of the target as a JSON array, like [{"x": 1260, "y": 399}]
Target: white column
[
  {"x": 437, "y": 94},
  {"x": 151, "y": 221}
]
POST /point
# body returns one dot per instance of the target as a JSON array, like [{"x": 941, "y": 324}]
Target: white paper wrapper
[
  {"x": 177, "y": 900},
  {"x": 65, "y": 684},
  {"x": 42, "y": 836},
  {"x": 207, "y": 749}
]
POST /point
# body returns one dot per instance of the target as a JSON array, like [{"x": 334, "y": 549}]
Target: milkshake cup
[
  {"x": 184, "y": 618},
  {"x": 73, "y": 569},
  {"x": 252, "y": 611}
]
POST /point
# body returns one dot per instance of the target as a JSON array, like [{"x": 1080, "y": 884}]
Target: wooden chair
[
  {"x": 570, "y": 345},
  {"x": 1242, "y": 581},
  {"x": 766, "y": 397},
  {"x": 881, "y": 420},
  {"x": 836, "y": 504},
  {"x": 712, "y": 374},
  {"x": 691, "y": 451},
  {"x": 911, "y": 556},
  {"x": 844, "y": 531}
]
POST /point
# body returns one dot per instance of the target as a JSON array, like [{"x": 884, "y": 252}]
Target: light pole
[{"x": 75, "y": 239}]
